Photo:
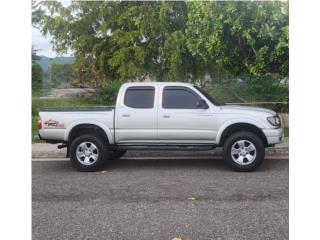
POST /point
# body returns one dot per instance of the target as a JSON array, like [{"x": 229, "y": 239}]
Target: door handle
[
  {"x": 166, "y": 116},
  {"x": 125, "y": 115}
]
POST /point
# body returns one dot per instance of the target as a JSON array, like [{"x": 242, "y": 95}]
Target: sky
[{"x": 42, "y": 44}]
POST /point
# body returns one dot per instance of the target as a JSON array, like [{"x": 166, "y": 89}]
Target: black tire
[
  {"x": 116, "y": 154},
  {"x": 248, "y": 137},
  {"x": 102, "y": 153}
]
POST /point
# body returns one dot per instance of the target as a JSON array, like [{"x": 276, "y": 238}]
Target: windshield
[{"x": 211, "y": 99}]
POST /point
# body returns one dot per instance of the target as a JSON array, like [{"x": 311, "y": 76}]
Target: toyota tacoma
[{"x": 161, "y": 116}]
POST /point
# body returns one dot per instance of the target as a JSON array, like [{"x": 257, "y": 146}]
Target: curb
[{"x": 274, "y": 157}]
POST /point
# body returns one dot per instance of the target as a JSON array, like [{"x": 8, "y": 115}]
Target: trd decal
[{"x": 53, "y": 124}]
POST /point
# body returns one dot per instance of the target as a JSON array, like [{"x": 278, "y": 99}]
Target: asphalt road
[{"x": 160, "y": 199}]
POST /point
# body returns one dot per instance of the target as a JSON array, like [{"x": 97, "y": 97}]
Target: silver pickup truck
[{"x": 161, "y": 115}]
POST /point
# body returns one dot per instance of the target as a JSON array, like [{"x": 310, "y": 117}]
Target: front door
[{"x": 181, "y": 120}]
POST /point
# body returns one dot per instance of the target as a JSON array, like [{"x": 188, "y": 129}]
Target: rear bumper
[
  {"x": 53, "y": 141},
  {"x": 273, "y": 135}
]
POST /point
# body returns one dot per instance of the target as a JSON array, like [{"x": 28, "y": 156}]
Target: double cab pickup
[{"x": 161, "y": 116}]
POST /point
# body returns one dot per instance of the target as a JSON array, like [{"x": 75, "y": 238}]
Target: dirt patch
[{"x": 69, "y": 92}]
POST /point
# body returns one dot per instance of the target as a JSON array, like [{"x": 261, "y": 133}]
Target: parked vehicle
[{"x": 161, "y": 115}]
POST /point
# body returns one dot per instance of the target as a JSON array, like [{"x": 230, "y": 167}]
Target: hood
[{"x": 238, "y": 108}]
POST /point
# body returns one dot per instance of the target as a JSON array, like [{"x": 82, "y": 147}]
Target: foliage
[
  {"x": 36, "y": 70},
  {"x": 245, "y": 37},
  {"x": 60, "y": 73},
  {"x": 107, "y": 95},
  {"x": 34, "y": 56},
  {"x": 44, "y": 61},
  {"x": 253, "y": 89},
  {"x": 169, "y": 41},
  {"x": 36, "y": 77},
  {"x": 267, "y": 88}
]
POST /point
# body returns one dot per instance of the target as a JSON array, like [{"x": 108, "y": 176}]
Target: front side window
[
  {"x": 179, "y": 98},
  {"x": 139, "y": 97}
]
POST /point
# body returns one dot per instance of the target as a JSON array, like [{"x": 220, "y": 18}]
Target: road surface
[{"x": 159, "y": 199}]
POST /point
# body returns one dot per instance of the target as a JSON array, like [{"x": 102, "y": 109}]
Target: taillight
[{"x": 39, "y": 123}]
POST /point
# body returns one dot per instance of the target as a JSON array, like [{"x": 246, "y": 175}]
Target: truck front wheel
[
  {"x": 88, "y": 153},
  {"x": 243, "y": 151}
]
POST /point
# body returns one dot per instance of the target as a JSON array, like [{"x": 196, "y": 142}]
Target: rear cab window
[{"x": 139, "y": 97}]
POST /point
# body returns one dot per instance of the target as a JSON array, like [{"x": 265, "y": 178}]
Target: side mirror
[{"x": 202, "y": 104}]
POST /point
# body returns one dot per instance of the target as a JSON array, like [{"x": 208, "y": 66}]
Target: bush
[
  {"x": 36, "y": 77},
  {"x": 267, "y": 88},
  {"x": 107, "y": 95},
  {"x": 277, "y": 107}
]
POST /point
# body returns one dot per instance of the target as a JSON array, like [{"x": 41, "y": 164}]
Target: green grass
[
  {"x": 40, "y": 92},
  {"x": 34, "y": 127},
  {"x": 286, "y": 132},
  {"x": 38, "y": 104}
]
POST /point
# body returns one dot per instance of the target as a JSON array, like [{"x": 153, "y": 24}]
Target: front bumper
[{"x": 273, "y": 135}]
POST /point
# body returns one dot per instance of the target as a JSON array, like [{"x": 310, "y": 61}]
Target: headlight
[{"x": 274, "y": 121}]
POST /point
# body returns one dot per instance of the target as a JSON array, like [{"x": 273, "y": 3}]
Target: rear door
[
  {"x": 137, "y": 115},
  {"x": 180, "y": 120}
]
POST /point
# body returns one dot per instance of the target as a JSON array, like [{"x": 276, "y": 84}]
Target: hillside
[{"x": 45, "y": 61}]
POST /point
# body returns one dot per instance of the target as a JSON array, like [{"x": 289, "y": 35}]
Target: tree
[
  {"x": 168, "y": 40},
  {"x": 120, "y": 40},
  {"x": 37, "y": 73},
  {"x": 244, "y": 37},
  {"x": 34, "y": 56}
]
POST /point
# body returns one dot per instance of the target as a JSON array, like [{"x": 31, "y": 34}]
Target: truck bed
[
  {"x": 79, "y": 109},
  {"x": 58, "y": 122}
]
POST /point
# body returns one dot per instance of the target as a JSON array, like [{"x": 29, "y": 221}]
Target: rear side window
[
  {"x": 179, "y": 98},
  {"x": 139, "y": 97}
]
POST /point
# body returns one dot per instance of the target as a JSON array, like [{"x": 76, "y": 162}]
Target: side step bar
[{"x": 164, "y": 147}]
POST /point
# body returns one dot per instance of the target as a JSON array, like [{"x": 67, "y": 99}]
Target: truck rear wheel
[
  {"x": 243, "y": 151},
  {"x": 88, "y": 153}
]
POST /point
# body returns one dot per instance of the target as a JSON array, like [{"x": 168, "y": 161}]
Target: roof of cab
[{"x": 157, "y": 84}]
